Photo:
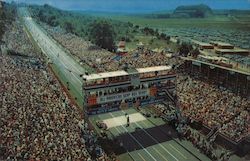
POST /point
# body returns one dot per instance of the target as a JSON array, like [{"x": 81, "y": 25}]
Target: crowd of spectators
[
  {"x": 238, "y": 127},
  {"x": 206, "y": 146},
  {"x": 199, "y": 100},
  {"x": 214, "y": 106},
  {"x": 15, "y": 38},
  {"x": 37, "y": 119},
  {"x": 102, "y": 60}
]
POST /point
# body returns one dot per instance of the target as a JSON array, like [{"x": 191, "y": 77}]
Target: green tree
[
  {"x": 52, "y": 21},
  {"x": 2, "y": 29},
  {"x": 102, "y": 34},
  {"x": 69, "y": 27},
  {"x": 41, "y": 16},
  {"x": 185, "y": 48},
  {"x": 195, "y": 52},
  {"x": 148, "y": 31},
  {"x": 199, "y": 14}
]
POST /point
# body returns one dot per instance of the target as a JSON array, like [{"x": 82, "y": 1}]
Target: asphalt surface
[
  {"x": 67, "y": 65},
  {"x": 147, "y": 141}
]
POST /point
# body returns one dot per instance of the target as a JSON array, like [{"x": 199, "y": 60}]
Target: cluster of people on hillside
[
  {"x": 84, "y": 50},
  {"x": 38, "y": 121},
  {"x": 103, "y": 60},
  {"x": 214, "y": 107},
  {"x": 139, "y": 58}
]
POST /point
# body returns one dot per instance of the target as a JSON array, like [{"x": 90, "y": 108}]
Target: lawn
[{"x": 151, "y": 42}]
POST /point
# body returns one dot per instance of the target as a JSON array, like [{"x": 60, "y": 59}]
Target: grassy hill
[
  {"x": 78, "y": 22},
  {"x": 193, "y": 11}
]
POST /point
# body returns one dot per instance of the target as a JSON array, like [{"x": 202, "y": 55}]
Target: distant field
[
  {"x": 233, "y": 29},
  {"x": 239, "y": 22}
]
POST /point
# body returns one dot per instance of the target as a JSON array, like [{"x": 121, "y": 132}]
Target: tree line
[{"x": 86, "y": 26}]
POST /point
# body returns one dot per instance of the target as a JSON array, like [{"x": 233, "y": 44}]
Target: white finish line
[{"x": 112, "y": 122}]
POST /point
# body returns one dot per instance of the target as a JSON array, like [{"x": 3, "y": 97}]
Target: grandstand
[
  {"x": 111, "y": 91},
  {"x": 236, "y": 80},
  {"x": 212, "y": 91}
]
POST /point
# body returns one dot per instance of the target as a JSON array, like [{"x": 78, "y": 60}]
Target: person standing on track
[{"x": 128, "y": 121}]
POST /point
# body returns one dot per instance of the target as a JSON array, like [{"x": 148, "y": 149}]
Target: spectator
[
  {"x": 204, "y": 102},
  {"x": 38, "y": 121}
]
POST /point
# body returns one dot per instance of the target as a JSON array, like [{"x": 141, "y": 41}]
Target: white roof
[
  {"x": 212, "y": 57},
  {"x": 232, "y": 50},
  {"x": 124, "y": 73},
  {"x": 153, "y": 69},
  {"x": 202, "y": 43},
  {"x": 105, "y": 75},
  {"x": 221, "y": 43}
]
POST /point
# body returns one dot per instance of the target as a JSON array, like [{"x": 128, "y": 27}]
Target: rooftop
[
  {"x": 217, "y": 66},
  {"x": 219, "y": 43},
  {"x": 201, "y": 43},
  {"x": 212, "y": 57},
  {"x": 105, "y": 75},
  {"x": 153, "y": 69},
  {"x": 232, "y": 50},
  {"x": 122, "y": 44},
  {"x": 124, "y": 73}
]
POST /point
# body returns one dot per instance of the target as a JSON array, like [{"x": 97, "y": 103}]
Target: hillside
[
  {"x": 78, "y": 23},
  {"x": 193, "y": 11}
]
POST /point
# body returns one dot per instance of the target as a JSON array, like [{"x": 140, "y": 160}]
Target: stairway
[{"x": 213, "y": 132}]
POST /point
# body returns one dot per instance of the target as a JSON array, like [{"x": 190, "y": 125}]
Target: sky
[{"x": 137, "y": 6}]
